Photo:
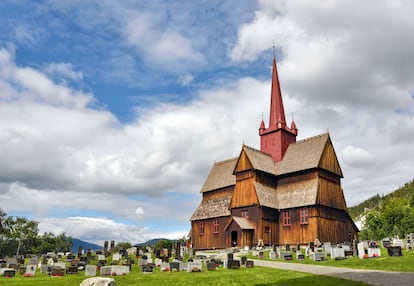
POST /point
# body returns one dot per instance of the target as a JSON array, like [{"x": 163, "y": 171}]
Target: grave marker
[
  {"x": 90, "y": 270},
  {"x": 30, "y": 271}
]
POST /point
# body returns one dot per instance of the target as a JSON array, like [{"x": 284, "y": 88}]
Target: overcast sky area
[{"x": 112, "y": 113}]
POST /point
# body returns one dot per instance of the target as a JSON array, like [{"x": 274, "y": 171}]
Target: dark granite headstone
[
  {"x": 394, "y": 251},
  {"x": 249, "y": 263},
  {"x": 9, "y": 273},
  {"x": 211, "y": 266},
  {"x": 175, "y": 266},
  {"x": 233, "y": 264}
]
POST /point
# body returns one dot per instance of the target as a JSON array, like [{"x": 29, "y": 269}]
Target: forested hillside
[{"x": 388, "y": 215}]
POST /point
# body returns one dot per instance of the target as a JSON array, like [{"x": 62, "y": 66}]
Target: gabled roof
[
  {"x": 221, "y": 175},
  {"x": 212, "y": 208},
  {"x": 304, "y": 154},
  {"x": 296, "y": 194},
  {"x": 259, "y": 160},
  {"x": 242, "y": 222}
]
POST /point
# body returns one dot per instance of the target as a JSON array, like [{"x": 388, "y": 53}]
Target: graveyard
[{"x": 181, "y": 266}]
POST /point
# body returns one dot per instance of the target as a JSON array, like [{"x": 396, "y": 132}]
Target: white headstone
[
  {"x": 116, "y": 257},
  {"x": 194, "y": 267},
  {"x": 337, "y": 252},
  {"x": 98, "y": 281},
  {"x": 374, "y": 252},
  {"x": 90, "y": 270},
  {"x": 30, "y": 271},
  {"x": 361, "y": 250},
  {"x": 106, "y": 270},
  {"x": 119, "y": 270}
]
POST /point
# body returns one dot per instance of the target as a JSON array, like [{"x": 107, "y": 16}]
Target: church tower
[{"x": 275, "y": 139}]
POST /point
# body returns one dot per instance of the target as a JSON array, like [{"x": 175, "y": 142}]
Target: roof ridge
[
  {"x": 225, "y": 161},
  {"x": 257, "y": 150},
  {"x": 312, "y": 137}
]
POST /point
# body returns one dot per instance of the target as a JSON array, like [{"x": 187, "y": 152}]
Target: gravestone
[
  {"x": 233, "y": 264},
  {"x": 361, "y": 250},
  {"x": 105, "y": 250},
  {"x": 119, "y": 270},
  {"x": 374, "y": 252},
  {"x": 318, "y": 256},
  {"x": 249, "y": 264},
  {"x": 327, "y": 247},
  {"x": 243, "y": 260},
  {"x": 101, "y": 257},
  {"x": 112, "y": 250},
  {"x": 90, "y": 270},
  {"x": 147, "y": 268},
  {"x": 30, "y": 271},
  {"x": 194, "y": 267},
  {"x": 337, "y": 253},
  {"x": 106, "y": 270},
  {"x": 394, "y": 251},
  {"x": 165, "y": 266},
  {"x": 57, "y": 271},
  {"x": 211, "y": 266},
  {"x": 116, "y": 257},
  {"x": 284, "y": 254},
  {"x": 72, "y": 270},
  {"x": 9, "y": 272},
  {"x": 175, "y": 266},
  {"x": 272, "y": 255},
  {"x": 98, "y": 281}
]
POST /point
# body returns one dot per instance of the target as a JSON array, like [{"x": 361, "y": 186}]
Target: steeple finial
[{"x": 277, "y": 112}]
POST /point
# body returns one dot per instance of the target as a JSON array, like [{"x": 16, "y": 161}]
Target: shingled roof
[
  {"x": 297, "y": 194},
  {"x": 260, "y": 160},
  {"x": 242, "y": 222},
  {"x": 212, "y": 208},
  {"x": 303, "y": 155},
  {"x": 221, "y": 175}
]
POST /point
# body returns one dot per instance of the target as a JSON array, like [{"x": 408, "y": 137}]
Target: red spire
[
  {"x": 277, "y": 112},
  {"x": 275, "y": 139}
]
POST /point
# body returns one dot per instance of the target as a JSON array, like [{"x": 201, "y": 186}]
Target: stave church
[{"x": 288, "y": 192}]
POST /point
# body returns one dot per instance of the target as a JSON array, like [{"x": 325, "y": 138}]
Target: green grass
[
  {"x": 253, "y": 276},
  {"x": 403, "y": 263}
]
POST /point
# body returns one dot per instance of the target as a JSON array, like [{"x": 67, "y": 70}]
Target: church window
[
  {"x": 286, "y": 218},
  {"x": 216, "y": 226},
  {"x": 304, "y": 216},
  {"x": 244, "y": 214},
  {"x": 267, "y": 229},
  {"x": 201, "y": 227}
]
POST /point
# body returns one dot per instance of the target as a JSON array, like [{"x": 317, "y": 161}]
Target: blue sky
[{"x": 112, "y": 113}]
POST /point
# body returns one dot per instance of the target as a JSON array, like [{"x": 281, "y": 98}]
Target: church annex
[{"x": 288, "y": 192}]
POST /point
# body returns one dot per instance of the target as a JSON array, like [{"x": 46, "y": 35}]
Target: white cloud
[
  {"x": 357, "y": 157},
  {"x": 186, "y": 79},
  {"x": 160, "y": 44},
  {"x": 65, "y": 70}
]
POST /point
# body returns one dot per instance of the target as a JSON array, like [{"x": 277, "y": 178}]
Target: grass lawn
[
  {"x": 244, "y": 276},
  {"x": 403, "y": 263}
]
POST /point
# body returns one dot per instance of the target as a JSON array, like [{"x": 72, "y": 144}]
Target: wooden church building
[{"x": 288, "y": 192}]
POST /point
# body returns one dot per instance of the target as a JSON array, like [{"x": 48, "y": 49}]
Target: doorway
[{"x": 233, "y": 238}]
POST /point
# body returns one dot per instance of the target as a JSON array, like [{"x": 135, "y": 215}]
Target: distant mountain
[
  {"x": 85, "y": 245},
  {"x": 153, "y": 242}
]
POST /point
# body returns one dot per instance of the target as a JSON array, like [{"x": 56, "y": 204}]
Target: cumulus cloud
[{"x": 65, "y": 70}]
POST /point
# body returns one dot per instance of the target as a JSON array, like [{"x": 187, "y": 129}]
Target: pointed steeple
[
  {"x": 275, "y": 139},
  {"x": 277, "y": 112}
]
